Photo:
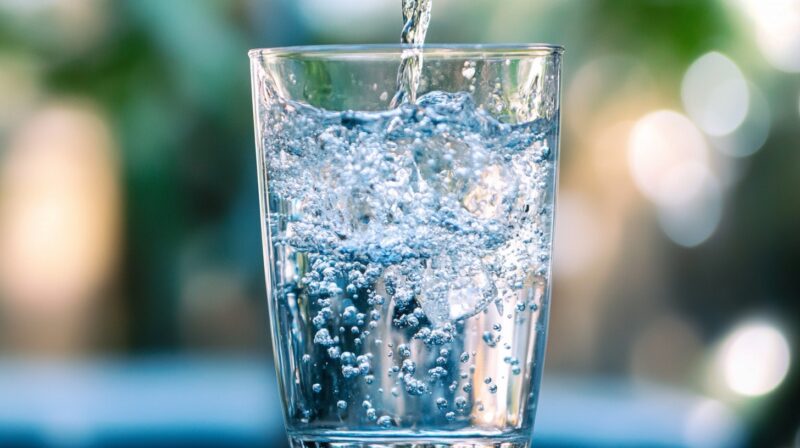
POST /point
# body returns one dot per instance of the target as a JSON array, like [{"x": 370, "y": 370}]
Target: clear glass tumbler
[{"x": 407, "y": 249}]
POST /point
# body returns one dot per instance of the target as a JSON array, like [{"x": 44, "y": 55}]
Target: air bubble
[
  {"x": 323, "y": 337},
  {"x": 349, "y": 371},
  {"x": 348, "y": 358},
  {"x": 490, "y": 339},
  {"x": 437, "y": 373},
  {"x": 468, "y": 72},
  {"x": 409, "y": 366},
  {"x": 385, "y": 421},
  {"x": 404, "y": 351}
]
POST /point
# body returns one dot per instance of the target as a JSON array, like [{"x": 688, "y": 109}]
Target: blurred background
[{"x": 132, "y": 302}]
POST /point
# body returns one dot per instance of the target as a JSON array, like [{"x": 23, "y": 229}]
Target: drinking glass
[{"x": 407, "y": 249}]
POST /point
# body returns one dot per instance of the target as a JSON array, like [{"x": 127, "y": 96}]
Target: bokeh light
[
  {"x": 666, "y": 152},
  {"x": 754, "y": 358},
  {"x": 669, "y": 161},
  {"x": 692, "y": 222},
  {"x": 748, "y": 138},
  {"x": 715, "y": 94},
  {"x": 777, "y": 31},
  {"x": 59, "y": 215}
]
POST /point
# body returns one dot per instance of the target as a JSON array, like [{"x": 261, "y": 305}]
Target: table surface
[{"x": 234, "y": 402}]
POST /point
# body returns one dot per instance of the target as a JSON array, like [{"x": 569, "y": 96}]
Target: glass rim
[{"x": 366, "y": 51}]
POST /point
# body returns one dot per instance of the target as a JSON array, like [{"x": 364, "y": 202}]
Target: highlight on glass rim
[{"x": 399, "y": 223}]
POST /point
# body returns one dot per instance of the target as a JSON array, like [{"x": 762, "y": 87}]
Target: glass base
[{"x": 375, "y": 442}]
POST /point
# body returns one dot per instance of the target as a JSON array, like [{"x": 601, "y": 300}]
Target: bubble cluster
[
  {"x": 437, "y": 199},
  {"x": 391, "y": 231}
]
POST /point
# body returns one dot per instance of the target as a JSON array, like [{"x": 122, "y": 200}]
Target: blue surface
[{"x": 234, "y": 403}]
